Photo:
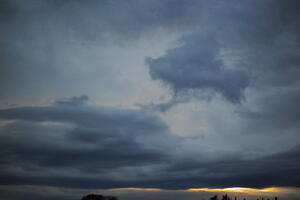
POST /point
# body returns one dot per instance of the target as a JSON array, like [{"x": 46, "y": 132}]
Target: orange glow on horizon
[
  {"x": 249, "y": 191},
  {"x": 236, "y": 190}
]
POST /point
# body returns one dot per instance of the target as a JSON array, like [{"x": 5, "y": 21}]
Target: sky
[{"x": 117, "y": 97}]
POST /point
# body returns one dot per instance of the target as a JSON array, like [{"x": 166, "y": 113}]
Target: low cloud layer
[
  {"x": 81, "y": 145},
  {"x": 42, "y": 192},
  {"x": 67, "y": 138}
]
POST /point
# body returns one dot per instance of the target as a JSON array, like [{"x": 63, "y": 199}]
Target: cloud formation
[
  {"x": 237, "y": 45},
  {"x": 89, "y": 146},
  {"x": 64, "y": 45},
  {"x": 195, "y": 66},
  {"x": 241, "y": 56},
  {"x": 65, "y": 139}
]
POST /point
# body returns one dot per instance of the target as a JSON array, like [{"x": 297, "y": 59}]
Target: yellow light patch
[{"x": 250, "y": 191}]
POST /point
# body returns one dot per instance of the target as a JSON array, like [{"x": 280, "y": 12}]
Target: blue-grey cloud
[
  {"x": 83, "y": 138},
  {"x": 86, "y": 146},
  {"x": 236, "y": 46},
  {"x": 195, "y": 66},
  {"x": 56, "y": 43},
  {"x": 74, "y": 101},
  {"x": 260, "y": 172},
  {"x": 246, "y": 52}
]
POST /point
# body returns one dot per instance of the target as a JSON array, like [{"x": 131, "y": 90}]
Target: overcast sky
[{"x": 167, "y": 94}]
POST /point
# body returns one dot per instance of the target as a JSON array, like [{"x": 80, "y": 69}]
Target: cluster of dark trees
[
  {"x": 226, "y": 197},
  {"x": 101, "y": 197},
  {"x": 98, "y": 197}
]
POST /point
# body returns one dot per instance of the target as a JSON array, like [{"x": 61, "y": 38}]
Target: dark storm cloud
[
  {"x": 195, "y": 66},
  {"x": 85, "y": 146},
  {"x": 108, "y": 150},
  {"x": 231, "y": 47},
  {"x": 83, "y": 138},
  {"x": 280, "y": 169},
  {"x": 238, "y": 45}
]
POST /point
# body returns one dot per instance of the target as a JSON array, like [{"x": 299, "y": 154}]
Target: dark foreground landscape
[{"x": 224, "y": 197}]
